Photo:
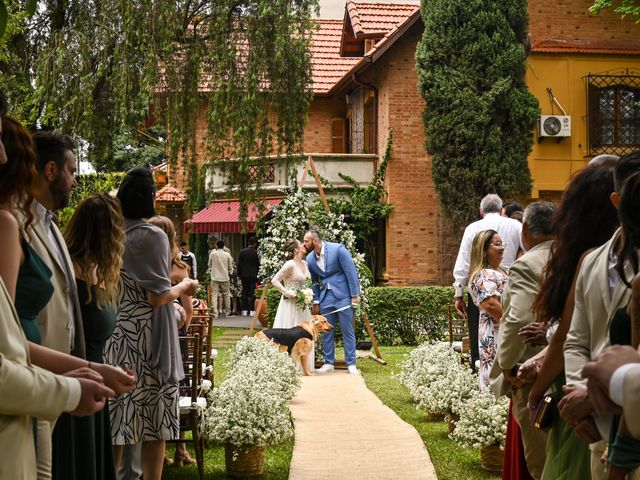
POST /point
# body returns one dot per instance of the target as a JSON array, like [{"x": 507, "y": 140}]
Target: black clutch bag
[{"x": 544, "y": 413}]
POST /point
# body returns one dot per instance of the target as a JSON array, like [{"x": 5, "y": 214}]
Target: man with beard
[{"x": 60, "y": 322}]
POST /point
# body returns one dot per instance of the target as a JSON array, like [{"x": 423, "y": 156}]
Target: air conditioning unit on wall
[{"x": 554, "y": 126}]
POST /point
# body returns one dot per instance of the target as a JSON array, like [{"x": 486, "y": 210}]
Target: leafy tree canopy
[
  {"x": 480, "y": 116},
  {"x": 98, "y": 68},
  {"x": 623, "y": 7},
  {"x": 140, "y": 147}
]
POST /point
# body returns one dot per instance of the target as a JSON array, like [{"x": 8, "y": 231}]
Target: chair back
[
  {"x": 191, "y": 348},
  {"x": 457, "y": 325},
  {"x": 206, "y": 340}
]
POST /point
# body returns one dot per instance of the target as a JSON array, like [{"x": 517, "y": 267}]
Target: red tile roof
[
  {"x": 169, "y": 194},
  {"x": 378, "y": 18},
  {"x": 555, "y": 45},
  {"x": 328, "y": 65}
]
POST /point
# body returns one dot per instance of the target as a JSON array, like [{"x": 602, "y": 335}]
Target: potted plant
[
  {"x": 426, "y": 364},
  {"x": 483, "y": 425},
  {"x": 250, "y": 409},
  {"x": 448, "y": 392}
]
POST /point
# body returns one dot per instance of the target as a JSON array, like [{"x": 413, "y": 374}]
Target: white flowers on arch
[{"x": 291, "y": 219}]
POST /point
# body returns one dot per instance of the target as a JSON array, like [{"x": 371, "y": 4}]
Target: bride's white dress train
[{"x": 291, "y": 277}]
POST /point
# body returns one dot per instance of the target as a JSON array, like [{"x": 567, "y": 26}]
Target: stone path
[{"x": 343, "y": 431}]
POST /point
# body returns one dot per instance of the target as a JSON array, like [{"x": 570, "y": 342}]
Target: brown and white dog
[{"x": 299, "y": 340}]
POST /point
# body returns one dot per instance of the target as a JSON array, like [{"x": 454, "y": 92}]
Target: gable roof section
[
  {"x": 328, "y": 65},
  {"x": 377, "y": 19},
  {"x": 378, "y": 50},
  {"x": 609, "y": 47},
  {"x": 370, "y": 20}
]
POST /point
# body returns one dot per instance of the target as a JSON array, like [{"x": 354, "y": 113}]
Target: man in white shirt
[
  {"x": 220, "y": 267},
  {"x": 509, "y": 230}
]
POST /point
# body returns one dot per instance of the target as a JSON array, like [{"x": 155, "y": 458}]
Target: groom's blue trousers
[{"x": 345, "y": 317}]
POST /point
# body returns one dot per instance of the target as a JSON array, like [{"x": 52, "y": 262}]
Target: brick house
[{"x": 365, "y": 83}]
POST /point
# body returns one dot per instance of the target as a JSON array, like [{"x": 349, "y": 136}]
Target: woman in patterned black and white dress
[{"x": 145, "y": 338}]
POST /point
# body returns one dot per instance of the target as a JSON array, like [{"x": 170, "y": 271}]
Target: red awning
[{"x": 223, "y": 217}]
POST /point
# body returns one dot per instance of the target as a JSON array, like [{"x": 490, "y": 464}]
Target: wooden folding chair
[
  {"x": 191, "y": 404},
  {"x": 459, "y": 334},
  {"x": 206, "y": 335}
]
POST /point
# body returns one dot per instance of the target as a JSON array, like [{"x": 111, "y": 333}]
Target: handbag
[{"x": 544, "y": 413}]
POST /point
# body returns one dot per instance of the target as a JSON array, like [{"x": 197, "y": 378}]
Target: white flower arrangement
[
  {"x": 426, "y": 364},
  {"x": 448, "y": 392},
  {"x": 251, "y": 405},
  {"x": 483, "y": 421},
  {"x": 304, "y": 298}
]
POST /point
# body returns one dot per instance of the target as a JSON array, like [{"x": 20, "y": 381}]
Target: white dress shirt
[{"x": 509, "y": 231}]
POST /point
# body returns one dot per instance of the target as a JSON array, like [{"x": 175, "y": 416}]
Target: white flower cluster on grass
[
  {"x": 426, "y": 364},
  {"x": 448, "y": 393},
  {"x": 251, "y": 406},
  {"x": 483, "y": 421}
]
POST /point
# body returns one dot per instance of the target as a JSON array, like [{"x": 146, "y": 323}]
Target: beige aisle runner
[{"x": 343, "y": 431}]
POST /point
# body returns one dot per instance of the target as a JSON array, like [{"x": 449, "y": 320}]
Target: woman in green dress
[{"x": 82, "y": 448}]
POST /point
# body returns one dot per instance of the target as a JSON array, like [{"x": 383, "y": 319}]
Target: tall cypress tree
[{"x": 480, "y": 117}]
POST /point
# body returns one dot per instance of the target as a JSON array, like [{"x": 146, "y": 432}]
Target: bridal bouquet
[{"x": 304, "y": 298}]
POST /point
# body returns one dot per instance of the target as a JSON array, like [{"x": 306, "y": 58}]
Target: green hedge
[{"x": 398, "y": 315}]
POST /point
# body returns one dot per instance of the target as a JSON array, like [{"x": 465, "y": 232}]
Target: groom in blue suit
[{"x": 335, "y": 290}]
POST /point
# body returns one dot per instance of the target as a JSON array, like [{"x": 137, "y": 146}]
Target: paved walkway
[
  {"x": 235, "y": 328},
  {"x": 344, "y": 432}
]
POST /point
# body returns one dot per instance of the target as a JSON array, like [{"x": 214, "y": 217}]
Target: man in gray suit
[
  {"x": 512, "y": 347},
  {"x": 599, "y": 293}
]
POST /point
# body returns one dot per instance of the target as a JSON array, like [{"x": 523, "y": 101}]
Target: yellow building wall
[{"x": 552, "y": 163}]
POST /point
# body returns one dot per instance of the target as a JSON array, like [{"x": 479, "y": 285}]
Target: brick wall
[
  {"x": 570, "y": 19},
  {"x": 317, "y": 133},
  {"x": 414, "y": 236}
]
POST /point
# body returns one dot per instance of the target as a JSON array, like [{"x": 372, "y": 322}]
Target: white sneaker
[
  {"x": 353, "y": 370},
  {"x": 327, "y": 367},
  {"x": 252, "y": 313}
]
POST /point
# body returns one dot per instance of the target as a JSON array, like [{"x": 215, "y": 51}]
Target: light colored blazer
[
  {"x": 517, "y": 299},
  {"x": 589, "y": 331},
  {"x": 594, "y": 309},
  {"x": 55, "y": 319},
  {"x": 339, "y": 274},
  {"x": 25, "y": 390}
]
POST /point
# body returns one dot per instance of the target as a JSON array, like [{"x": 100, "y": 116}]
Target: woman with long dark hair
[
  {"x": 585, "y": 219},
  {"x": 145, "y": 337}
]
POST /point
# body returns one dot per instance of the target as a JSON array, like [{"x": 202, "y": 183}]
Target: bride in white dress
[{"x": 291, "y": 277}]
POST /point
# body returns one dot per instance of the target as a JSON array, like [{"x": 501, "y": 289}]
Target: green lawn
[{"x": 451, "y": 461}]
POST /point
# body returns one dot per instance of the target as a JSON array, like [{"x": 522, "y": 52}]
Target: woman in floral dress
[
  {"x": 291, "y": 277},
  {"x": 486, "y": 284}
]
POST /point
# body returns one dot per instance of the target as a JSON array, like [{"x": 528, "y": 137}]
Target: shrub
[
  {"x": 398, "y": 315},
  {"x": 407, "y": 315}
]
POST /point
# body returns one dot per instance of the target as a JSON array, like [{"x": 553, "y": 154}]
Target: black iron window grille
[
  {"x": 266, "y": 171},
  {"x": 613, "y": 106}
]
